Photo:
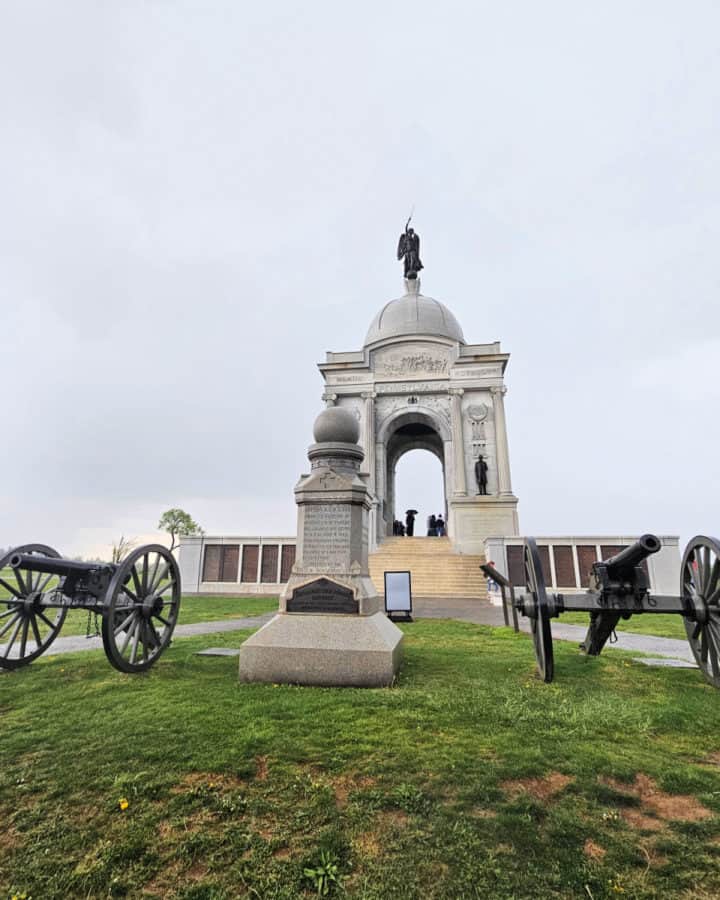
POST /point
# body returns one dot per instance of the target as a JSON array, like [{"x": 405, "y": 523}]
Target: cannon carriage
[
  {"x": 618, "y": 589},
  {"x": 137, "y": 599}
]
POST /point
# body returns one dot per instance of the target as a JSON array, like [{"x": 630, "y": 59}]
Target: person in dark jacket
[{"x": 432, "y": 526}]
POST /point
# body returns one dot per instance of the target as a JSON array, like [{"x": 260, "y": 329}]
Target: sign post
[{"x": 398, "y": 596}]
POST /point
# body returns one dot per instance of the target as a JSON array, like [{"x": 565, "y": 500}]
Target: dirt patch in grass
[
  {"x": 482, "y": 812},
  {"x": 344, "y": 785},
  {"x": 543, "y": 789},
  {"x": 164, "y": 881},
  {"x": 165, "y": 829},
  {"x": 261, "y": 770},
  {"x": 391, "y": 820},
  {"x": 654, "y": 859},
  {"x": 666, "y": 807},
  {"x": 196, "y": 871},
  {"x": 593, "y": 850},
  {"x": 9, "y": 839},
  {"x": 636, "y": 819},
  {"x": 211, "y": 781},
  {"x": 367, "y": 845}
]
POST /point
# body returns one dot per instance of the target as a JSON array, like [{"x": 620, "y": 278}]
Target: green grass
[
  {"x": 659, "y": 624},
  {"x": 470, "y": 778}
]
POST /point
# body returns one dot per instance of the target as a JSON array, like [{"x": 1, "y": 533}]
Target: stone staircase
[{"x": 436, "y": 571}]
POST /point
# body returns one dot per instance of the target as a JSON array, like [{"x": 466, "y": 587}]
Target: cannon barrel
[
  {"x": 633, "y": 555},
  {"x": 51, "y": 566}
]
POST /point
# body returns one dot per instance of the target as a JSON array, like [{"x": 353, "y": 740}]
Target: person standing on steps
[
  {"x": 410, "y": 522},
  {"x": 432, "y": 526},
  {"x": 440, "y": 526}
]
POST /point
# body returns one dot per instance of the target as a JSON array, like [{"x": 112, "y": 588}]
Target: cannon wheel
[
  {"x": 26, "y": 627},
  {"x": 700, "y": 590},
  {"x": 141, "y": 608},
  {"x": 539, "y": 612}
]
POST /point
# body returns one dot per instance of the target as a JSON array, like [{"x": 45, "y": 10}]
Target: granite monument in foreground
[{"x": 329, "y": 629}]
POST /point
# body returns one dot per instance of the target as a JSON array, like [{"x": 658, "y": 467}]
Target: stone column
[
  {"x": 501, "y": 442},
  {"x": 458, "y": 443},
  {"x": 369, "y": 442},
  {"x": 329, "y": 398},
  {"x": 381, "y": 487}
]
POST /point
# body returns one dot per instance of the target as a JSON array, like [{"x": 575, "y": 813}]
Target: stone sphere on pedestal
[{"x": 337, "y": 425}]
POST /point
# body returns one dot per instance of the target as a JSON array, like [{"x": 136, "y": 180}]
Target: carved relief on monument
[
  {"x": 440, "y": 405},
  {"x": 386, "y": 406},
  {"x": 412, "y": 361},
  {"x": 477, "y": 413}
]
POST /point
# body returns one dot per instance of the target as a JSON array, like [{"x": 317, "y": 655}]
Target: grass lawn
[
  {"x": 660, "y": 624},
  {"x": 470, "y": 778}
]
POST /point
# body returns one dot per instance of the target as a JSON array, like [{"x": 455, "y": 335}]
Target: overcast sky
[{"x": 197, "y": 200}]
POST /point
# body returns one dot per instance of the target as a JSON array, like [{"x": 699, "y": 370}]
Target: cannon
[
  {"x": 618, "y": 589},
  {"x": 138, "y": 600}
]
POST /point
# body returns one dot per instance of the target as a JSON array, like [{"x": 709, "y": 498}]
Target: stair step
[{"x": 435, "y": 569}]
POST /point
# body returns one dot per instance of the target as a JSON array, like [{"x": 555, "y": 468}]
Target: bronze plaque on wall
[{"x": 322, "y": 596}]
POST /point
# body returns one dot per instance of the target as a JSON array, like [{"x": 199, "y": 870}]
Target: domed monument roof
[{"x": 414, "y": 313}]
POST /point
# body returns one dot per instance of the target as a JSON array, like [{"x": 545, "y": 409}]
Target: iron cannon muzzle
[
  {"x": 633, "y": 555},
  {"x": 49, "y": 565}
]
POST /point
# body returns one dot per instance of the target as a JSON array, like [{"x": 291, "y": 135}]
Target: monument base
[
  {"x": 475, "y": 518},
  {"x": 324, "y": 650}
]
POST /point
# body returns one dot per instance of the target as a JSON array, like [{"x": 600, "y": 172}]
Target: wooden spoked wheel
[
  {"x": 538, "y": 611},
  {"x": 700, "y": 591},
  {"x": 141, "y": 608},
  {"x": 27, "y": 626}
]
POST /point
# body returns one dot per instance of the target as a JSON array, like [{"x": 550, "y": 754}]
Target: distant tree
[
  {"x": 179, "y": 524},
  {"x": 122, "y": 548}
]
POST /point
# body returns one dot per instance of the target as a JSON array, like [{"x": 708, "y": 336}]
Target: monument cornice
[{"x": 487, "y": 500}]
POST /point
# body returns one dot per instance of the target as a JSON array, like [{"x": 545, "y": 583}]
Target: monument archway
[
  {"x": 403, "y": 431},
  {"x": 417, "y": 384},
  {"x": 419, "y": 483}
]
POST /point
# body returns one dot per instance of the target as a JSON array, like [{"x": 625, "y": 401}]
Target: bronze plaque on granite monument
[{"x": 322, "y": 596}]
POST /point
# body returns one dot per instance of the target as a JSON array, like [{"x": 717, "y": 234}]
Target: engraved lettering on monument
[
  {"x": 485, "y": 372},
  {"x": 415, "y": 388},
  {"x": 348, "y": 379},
  {"x": 326, "y": 536},
  {"x": 322, "y": 596}
]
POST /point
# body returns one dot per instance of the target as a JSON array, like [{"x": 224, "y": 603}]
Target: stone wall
[
  {"x": 566, "y": 561},
  {"x": 235, "y": 565}
]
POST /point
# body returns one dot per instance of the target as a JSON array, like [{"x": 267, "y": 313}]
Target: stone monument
[
  {"x": 416, "y": 384},
  {"x": 329, "y": 629}
]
